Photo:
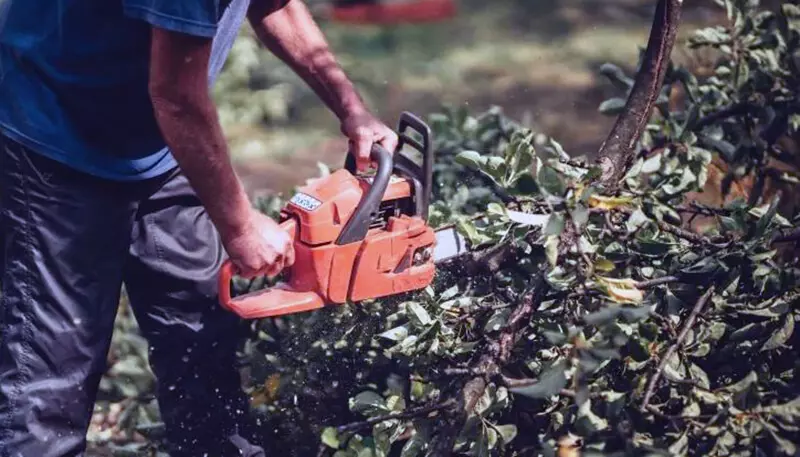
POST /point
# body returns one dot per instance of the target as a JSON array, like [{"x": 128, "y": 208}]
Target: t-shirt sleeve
[{"x": 193, "y": 17}]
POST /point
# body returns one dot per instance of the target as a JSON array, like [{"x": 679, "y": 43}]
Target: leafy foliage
[{"x": 611, "y": 329}]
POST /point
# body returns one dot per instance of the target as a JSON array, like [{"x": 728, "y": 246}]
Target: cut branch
[
  {"x": 617, "y": 152},
  {"x": 493, "y": 357}
]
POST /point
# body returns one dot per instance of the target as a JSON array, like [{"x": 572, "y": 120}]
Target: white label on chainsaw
[
  {"x": 393, "y": 179},
  {"x": 307, "y": 202}
]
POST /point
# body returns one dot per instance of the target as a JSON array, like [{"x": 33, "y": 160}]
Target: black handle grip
[
  {"x": 422, "y": 175},
  {"x": 410, "y": 120},
  {"x": 358, "y": 225}
]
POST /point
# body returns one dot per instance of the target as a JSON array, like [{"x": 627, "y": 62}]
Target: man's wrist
[{"x": 233, "y": 217}]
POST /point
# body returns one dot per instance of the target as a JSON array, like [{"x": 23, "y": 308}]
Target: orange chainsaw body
[{"x": 352, "y": 242}]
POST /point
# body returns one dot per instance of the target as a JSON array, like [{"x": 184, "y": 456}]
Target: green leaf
[
  {"x": 580, "y": 215},
  {"x": 550, "y": 383},
  {"x": 716, "y": 331},
  {"x": 330, "y": 437},
  {"x": 616, "y": 76},
  {"x": 636, "y": 220},
  {"x": 588, "y": 422},
  {"x": 419, "y": 314},
  {"x": 612, "y": 106},
  {"x": 551, "y": 249},
  {"x": 765, "y": 216},
  {"x": 414, "y": 446},
  {"x": 396, "y": 334},
  {"x": 681, "y": 445},
  {"x": 507, "y": 432},
  {"x": 496, "y": 168},
  {"x": 555, "y": 224},
  {"x": 604, "y": 316},
  {"x": 472, "y": 159},
  {"x": 781, "y": 336},
  {"x": 497, "y": 321},
  {"x": 743, "y": 384},
  {"x": 787, "y": 410},
  {"x": 549, "y": 180},
  {"x": 701, "y": 350},
  {"x": 497, "y": 209},
  {"x": 368, "y": 403}
]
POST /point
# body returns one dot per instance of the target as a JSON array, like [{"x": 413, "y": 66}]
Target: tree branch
[
  {"x": 787, "y": 237},
  {"x": 698, "y": 308},
  {"x": 489, "y": 363},
  {"x": 617, "y": 152},
  {"x": 404, "y": 415}
]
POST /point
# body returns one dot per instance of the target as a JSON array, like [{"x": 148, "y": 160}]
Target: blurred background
[{"x": 537, "y": 59}]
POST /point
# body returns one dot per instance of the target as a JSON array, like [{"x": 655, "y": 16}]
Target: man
[{"x": 114, "y": 169}]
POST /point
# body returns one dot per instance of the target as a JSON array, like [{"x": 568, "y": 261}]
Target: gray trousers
[{"x": 68, "y": 241}]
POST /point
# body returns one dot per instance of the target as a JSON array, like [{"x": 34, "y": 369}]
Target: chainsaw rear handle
[
  {"x": 228, "y": 270},
  {"x": 358, "y": 224}
]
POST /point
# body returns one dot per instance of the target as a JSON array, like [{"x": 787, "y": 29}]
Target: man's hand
[
  {"x": 263, "y": 248},
  {"x": 363, "y": 130}
]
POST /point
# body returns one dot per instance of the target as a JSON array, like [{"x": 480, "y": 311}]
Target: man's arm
[
  {"x": 187, "y": 117},
  {"x": 288, "y": 30}
]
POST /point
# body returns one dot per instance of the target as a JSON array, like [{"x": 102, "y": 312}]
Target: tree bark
[{"x": 617, "y": 152}]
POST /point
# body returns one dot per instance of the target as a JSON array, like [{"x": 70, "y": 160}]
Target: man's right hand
[{"x": 261, "y": 248}]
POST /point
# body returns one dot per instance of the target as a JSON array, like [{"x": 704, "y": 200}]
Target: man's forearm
[
  {"x": 291, "y": 33},
  {"x": 192, "y": 131}
]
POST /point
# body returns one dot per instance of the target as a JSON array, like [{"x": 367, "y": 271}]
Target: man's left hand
[{"x": 363, "y": 130}]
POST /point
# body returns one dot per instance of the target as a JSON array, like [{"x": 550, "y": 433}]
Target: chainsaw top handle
[
  {"x": 421, "y": 175},
  {"x": 358, "y": 224}
]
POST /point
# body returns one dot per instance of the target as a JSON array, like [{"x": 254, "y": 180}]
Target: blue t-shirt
[{"x": 74, "y": 77}]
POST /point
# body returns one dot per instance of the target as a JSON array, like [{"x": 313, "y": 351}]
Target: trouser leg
[
  {"x": 65, "y": 238},
  {"x": 171, "y": 280}
]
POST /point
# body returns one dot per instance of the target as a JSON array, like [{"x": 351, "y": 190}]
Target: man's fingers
[
  {"x": 362, "y": 144},
  {"x": 390, "y": 141},
  {"x": 289, "y": 260},
  {"x": 275, "y": 268},
  {"x": 364, "y": 148},
  {"x": 246, "y": 271}
]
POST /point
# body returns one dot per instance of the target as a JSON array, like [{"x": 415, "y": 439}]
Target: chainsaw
[{"x": 357, "y": 237}]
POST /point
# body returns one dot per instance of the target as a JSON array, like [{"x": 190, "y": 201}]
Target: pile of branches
[{"x": 614, "y": 328}]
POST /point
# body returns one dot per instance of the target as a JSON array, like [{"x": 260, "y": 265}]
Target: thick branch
[
  {"x": 792, "y": 235},
  {"x": 491, "y": 360},
  {"x": 617, "y": 151}
]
